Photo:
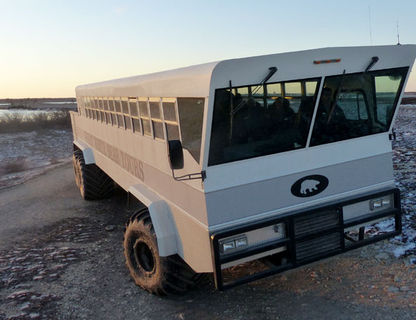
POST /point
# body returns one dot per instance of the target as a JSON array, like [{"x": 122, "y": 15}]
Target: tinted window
[
  {"x": 355, "y": 105},
  {"x": 262, "y": 122},
  {"x": 191, "y": 114}
]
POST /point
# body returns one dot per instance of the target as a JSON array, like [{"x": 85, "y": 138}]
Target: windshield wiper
[
  {"x": 373, "y": 61},
  {"x": 233, "y": 111},
  {"x": 272, "y": 71}
]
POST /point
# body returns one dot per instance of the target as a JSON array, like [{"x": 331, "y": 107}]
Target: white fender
[
  {"x": 163, "y": 222},
  {"x": 86, "y": 151}
]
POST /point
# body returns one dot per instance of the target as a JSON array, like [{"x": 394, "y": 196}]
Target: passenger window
[
  {"x": 135, "y": 120},
  {"x": 386, "y": 89},
  {"x": 127, "y": 122},
  {"x": 133, "y": 107},
  {"x": 146, "y": 127},
  {"x": 274, "y": 91},
  {"x": 111, "y": 104},
  {"x": 191, "y": 114},
  {"x": 172, "y": 132},
  {"x": 120, "y": 123},
  {"x": 169, "y": 113},
  {"x": 257, "y": 93},
  {"x": 113, "y": 119},
  {"x": 143, "y": 109},
  {"x": 144, "y": 115},
  {"x": 117, "y": 105},
  {"x": 154, "y": 110},
  {"x": 310, "y": 87},
  {"x": 156, "y": 119},
  {"x": 169, "y": 116},
  {"x": 293, "y": 94},
  {"x": 136, "y": 125},
  {"x": 125, "y": 106},
  {"x": 158, "y": 129}
]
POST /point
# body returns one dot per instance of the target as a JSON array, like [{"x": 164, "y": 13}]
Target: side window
[
  {"x": 144, "y": 116},
  {"x": 170, "y": 117},
  {"x": 156, "y": 118},
  {"x": 310, "y": 88},
  {"x": 386, "y": 92},
  {"x": 126, "y": 113},
  {"x": 257, "y": 93},
  {"x": 191, "y": 114},
  {"x": 134, "y": 112},
  {"x": 119, "y": 115},
  {"x": 274, "y": 92},
  {"x": 293, "y": 93},
  {"x": 357, "y": 104}
]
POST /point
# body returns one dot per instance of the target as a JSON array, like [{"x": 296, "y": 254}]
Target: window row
[
  {"x": 154, "y": 117},
  {"x": 143, "y": 116}
]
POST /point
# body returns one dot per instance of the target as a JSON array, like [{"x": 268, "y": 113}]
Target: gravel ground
[{"x": 67, "y": 263}]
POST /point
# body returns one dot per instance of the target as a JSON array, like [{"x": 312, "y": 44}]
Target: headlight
[
  {"x": 253, "y": 238},
  {"x": 384, "y": 202},
  {"x": 230, "y": 245},
  {"x": 355, "y": 210}
]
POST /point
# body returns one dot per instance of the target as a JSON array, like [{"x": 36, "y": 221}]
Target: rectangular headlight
[
  {"x": 375, "y": 205},
  {"x": 381, "y": 203},
  {"x": 253, "y": 238},
  {"x": 234, "y": 244}
]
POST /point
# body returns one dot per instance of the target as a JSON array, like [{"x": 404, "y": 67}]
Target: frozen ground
[
  {"x": 35, "y": 135},
  {"x": 25, "y": 154},
  {"x": 404, "y": 162}
]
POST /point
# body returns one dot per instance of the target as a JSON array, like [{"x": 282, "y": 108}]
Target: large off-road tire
[
  {"x": 158, "y": 275},
  {"x": 93, "y": 183}
]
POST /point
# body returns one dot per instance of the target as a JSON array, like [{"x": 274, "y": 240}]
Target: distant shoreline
[
  {"x": 38, "y": 103},
  {"x": 70, "y": 103}
]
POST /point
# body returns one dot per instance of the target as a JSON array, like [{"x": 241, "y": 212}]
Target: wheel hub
[{"x": 144, "y": 256}]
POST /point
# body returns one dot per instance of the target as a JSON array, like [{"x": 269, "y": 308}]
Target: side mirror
[{"x": 175, "y": 154}]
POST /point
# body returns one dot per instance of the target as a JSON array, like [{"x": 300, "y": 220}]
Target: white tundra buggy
[{"x": 285, "y": 158}]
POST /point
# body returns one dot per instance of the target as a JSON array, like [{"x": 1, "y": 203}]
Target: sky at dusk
[{"x": 48, "y": 47}]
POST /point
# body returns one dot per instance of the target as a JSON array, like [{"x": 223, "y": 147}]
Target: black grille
[
  {"x": 313, "y": 248},
  {"x": 316, "y": 222}
]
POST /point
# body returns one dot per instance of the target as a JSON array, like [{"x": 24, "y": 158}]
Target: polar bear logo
[{"x": 309, "y": 186}]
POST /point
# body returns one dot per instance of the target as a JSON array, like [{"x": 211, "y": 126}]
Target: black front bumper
[{"x": 310, "y": 235}]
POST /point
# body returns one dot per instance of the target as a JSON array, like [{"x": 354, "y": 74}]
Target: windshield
[
  {"x": 258, "y": 120},
  {"x": 356, "y": 105}
]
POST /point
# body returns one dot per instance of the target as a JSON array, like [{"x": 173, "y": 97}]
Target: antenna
[
  {"x": 369, "y": 24},
  {"x": 398, "y": 33}
]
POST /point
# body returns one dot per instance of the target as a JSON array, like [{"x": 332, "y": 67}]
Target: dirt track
[{"x": 61, "y": 258}]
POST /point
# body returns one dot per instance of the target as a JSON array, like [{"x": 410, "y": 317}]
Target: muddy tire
[
  {"x": 93, "y": 183},
  {"x": 158, "y": 275}
]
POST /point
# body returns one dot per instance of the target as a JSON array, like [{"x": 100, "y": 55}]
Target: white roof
[
  {"x": 190, "y": 81},
  {"x": 195, "y": 81}
]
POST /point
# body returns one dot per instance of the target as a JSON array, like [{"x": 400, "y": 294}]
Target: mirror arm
[{"x": 191, "y": 176}]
